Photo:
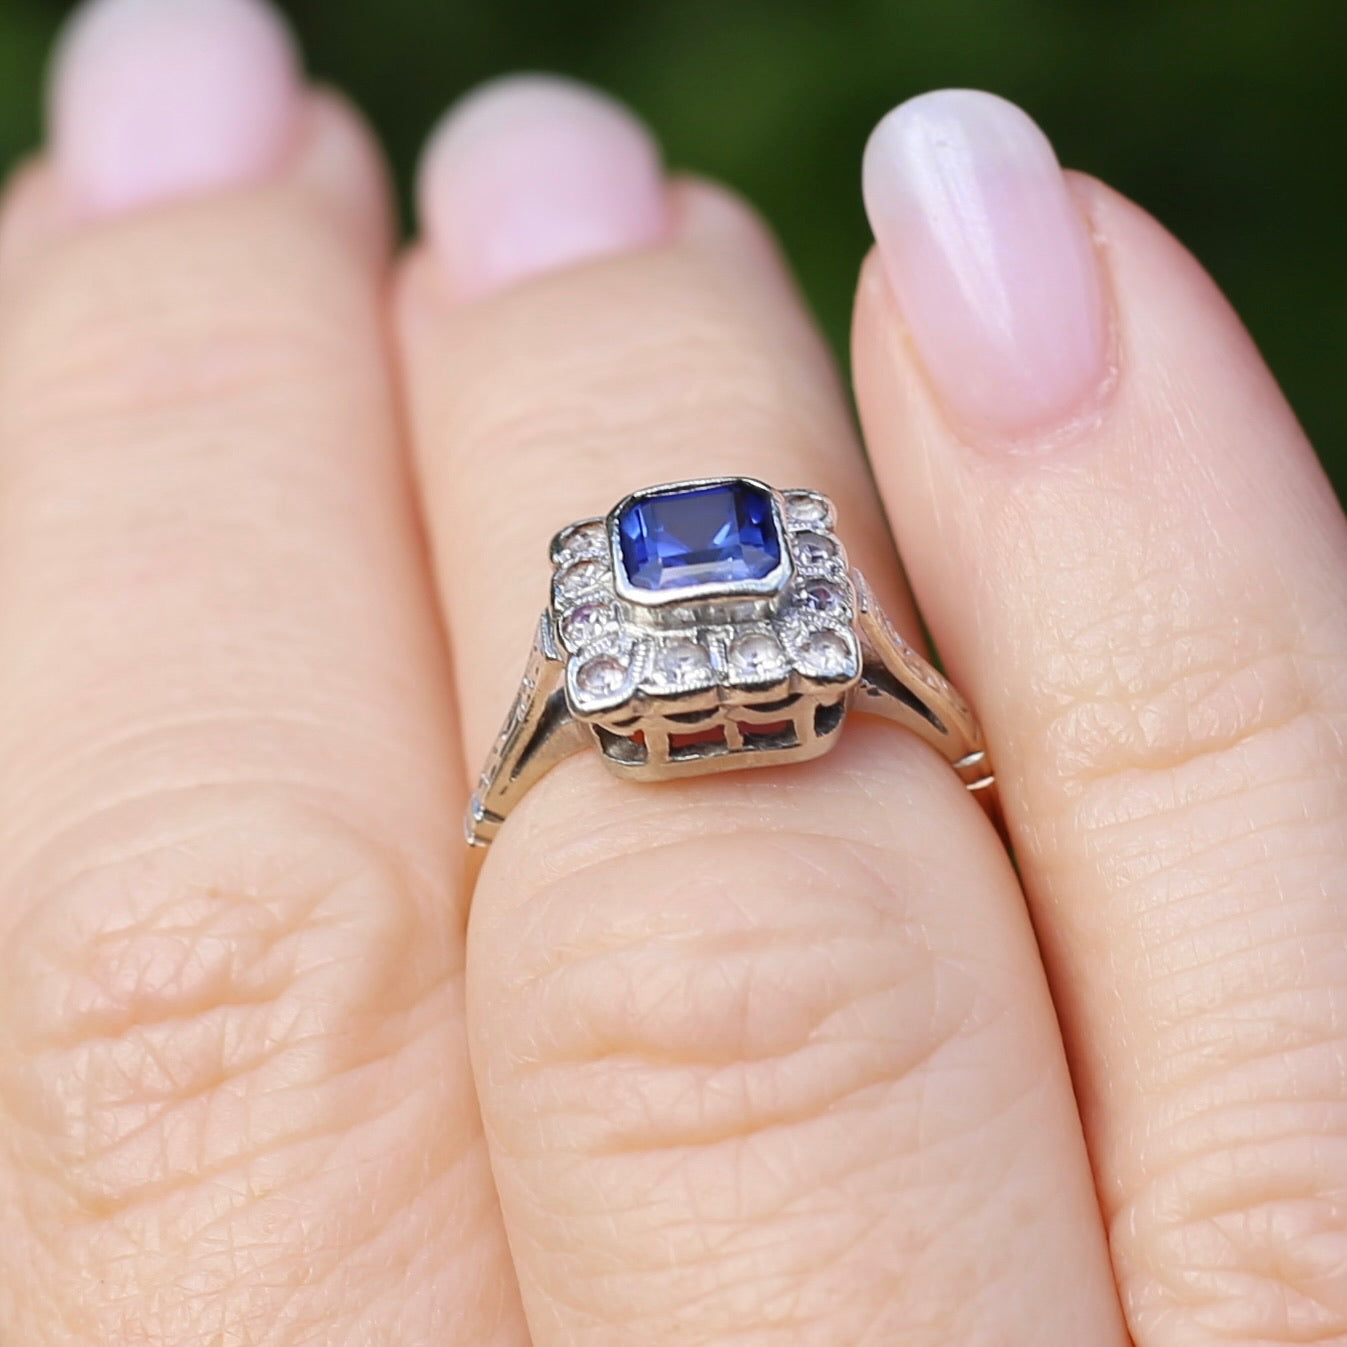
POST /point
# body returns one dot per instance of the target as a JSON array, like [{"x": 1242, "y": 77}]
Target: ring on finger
[{"x": 706, "y": 626}]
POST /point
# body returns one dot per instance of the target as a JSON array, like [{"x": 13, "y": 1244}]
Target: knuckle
[
  {"x": 742, "y": 1013},
  {"x": 168, "y": 1017},
  {"x": 226, "y": 1065},
  {"x": 1205, "y": 769},
  {"x": 600, "y": 372},
  {"x": 1230, "y": 1223},
  {"x": 733, "y": 1034},
  {"x": 1218, "y": 735},
  {"x": 138, "y": 324},
  {"x": 1247, "y": 1245},
  {"x": 738, "y": 1001},
  {"x": 1181, "y": 697}
]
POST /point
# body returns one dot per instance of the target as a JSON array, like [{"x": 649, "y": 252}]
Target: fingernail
[
  {"x": 156, "y": 99},
  {"x": 534, "y": 173},
  {"x": 989, "y": 260}
]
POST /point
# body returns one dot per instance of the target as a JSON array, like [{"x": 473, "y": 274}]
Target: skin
[{"x": 279, "y": 1066}]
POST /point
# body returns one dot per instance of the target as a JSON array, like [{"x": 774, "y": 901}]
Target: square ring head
[
  {"x": 706, "y": 624},
  {"x": 716, "y": 538}
]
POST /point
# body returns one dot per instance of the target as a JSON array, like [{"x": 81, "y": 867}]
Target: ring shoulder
[
  {"x": 539, "y": 731},
  {"x": 899, "y": 684}
]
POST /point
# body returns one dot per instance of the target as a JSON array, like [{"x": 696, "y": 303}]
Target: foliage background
[{"x": 1226, "y": 118}]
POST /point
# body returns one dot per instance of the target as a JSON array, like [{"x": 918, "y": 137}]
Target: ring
[{"x": 706, "y": 626}]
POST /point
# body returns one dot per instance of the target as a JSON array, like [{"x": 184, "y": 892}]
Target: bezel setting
[{"x": 720, "y": 592}]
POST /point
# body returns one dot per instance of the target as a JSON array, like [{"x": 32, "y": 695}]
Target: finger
[
  {"x": 234, "y": 1095},
  {"x": 1127, "y": 551},
  {"x": 762, "y": 1057}
]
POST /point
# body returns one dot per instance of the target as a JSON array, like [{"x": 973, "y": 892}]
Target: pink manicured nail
[
  {"x": 990, "y": 261},
  {"x": 153, "y": 99},
  {"x": 533, "y": 173}
]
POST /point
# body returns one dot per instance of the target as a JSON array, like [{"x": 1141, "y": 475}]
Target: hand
[{"x": 765, "y": 1058}]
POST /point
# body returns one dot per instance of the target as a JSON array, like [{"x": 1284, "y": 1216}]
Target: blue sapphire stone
[{"x": 701, "y": 535}]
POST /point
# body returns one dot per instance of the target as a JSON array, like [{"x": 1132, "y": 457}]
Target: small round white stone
[
  {"x": 601, "y": 676},
  {"x": 806, "y": 512},
  {"x": 757, "y": 657},
  {"x": 821, "y": 597},
  {"x": 586, "y": 622},
  {"x": 683, "y": 662},
  {"x": 825, "y": 654},
  {"x": 589, "y": 540},
  {"x": 813, "y": 549},
  {"x": 579, "y": 578}
]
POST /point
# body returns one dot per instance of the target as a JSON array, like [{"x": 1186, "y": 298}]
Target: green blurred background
[{"x": 1224, "y": 118}]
